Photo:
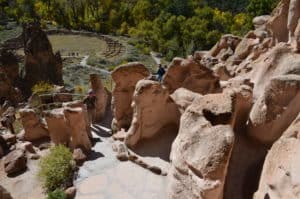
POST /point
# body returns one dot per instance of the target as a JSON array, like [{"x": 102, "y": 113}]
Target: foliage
[
  {"x": 172, "y": 27},
  {"x": 56, "y": 169},
  {"x": 57, "y": 194},
  {"x": 42, "y": 87}
]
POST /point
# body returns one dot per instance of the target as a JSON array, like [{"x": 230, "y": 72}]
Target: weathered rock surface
[
  {"x": 206, "y": 129},
  {"x": 34, "y": 127},
  {"x": 125, "y": 78},
  {"x": 280, "y": 175},
  {"x": 4, "y": 194},
  {"x": 9, "y": 75},
  {"x": 260, "y": 22},
  {"x": 59, "y": 130},
  {"x": 76, "y": 121},
  {"x": 187, "y": 73},
  {"x": 153, "y": 110},
  {"x": 15, "y": 162},
  {"x": 79, "y": 156},
  {"x": 102, "y": 98},
  {"x": 40, "y": 62},
  {"x": 70, "y": 192},
  {"x": 276, "y": 90},
  {"x": 183, "y": 98}
]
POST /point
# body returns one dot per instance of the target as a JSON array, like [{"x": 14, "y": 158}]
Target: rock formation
[
  {"x": 34, "y": 126},
  {"x": 70, "y": 126},
  {"x": 15, "y": 162},
  {"x": 189, "y": 74},
  {"x": 9, "y": 75},
  {"x": 40, "y": 62},
  {"x": 207, "y": 129},
  {"x": 125, "y": 78},
  {"x": 280, "y": 175},
  {"x": 102, "y": 98},
  {"x": 76, "y": 121},
  {"x": 153, "y": 110}
]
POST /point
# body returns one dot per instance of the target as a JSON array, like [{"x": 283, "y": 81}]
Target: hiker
[
  {"x": 90, "y": 101},
  {"x": 161, "y": 72}
]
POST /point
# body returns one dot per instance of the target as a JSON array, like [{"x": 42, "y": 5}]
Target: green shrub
[
  {"x": 57, "y": 194},
  {"x": 42, "y": 87},
  {"x": 56, "y": 169}
]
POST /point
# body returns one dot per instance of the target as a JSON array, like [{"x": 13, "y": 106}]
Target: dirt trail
[{"x": 106, "y": 177}]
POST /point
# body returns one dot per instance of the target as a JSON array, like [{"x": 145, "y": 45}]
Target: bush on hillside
[
  {"x": 56, "y": 169},
  {"x": 42, "y": 87}
]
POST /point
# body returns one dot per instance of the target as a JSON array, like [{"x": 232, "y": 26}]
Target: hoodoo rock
[
  {"x": 187, "y": 73},
  {"x": 41, "y": 64},
  {"x": 125, "y": 78},
  {"x": 59, "y": 130},
  {"x": 280, "y": 175},
  {"x": 153, "y": 110},
  {"x": 101, "y": 98},
  {"x": 34, "y": 127},
  {"x": 202, "y": 150},
  {"x": 76, "y": 121}
]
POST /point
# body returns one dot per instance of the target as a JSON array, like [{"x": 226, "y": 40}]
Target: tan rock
[
  {"x": 4, "y": 194},
  {"x": 125, "y": 78},
  {"x": 153, "y": 110},
  {"x": 297, "y": 37},
  {"x": 101, "y": 97},
  {"x": 79, "y": 156},
  {"x": 15, "y": 162},
  {"x": 183, "y": 98},
  {"x": 33, "y": 125},
  {"x": 280, "y": 175},
  {"x": 202, "y": 150},
  {"x": 274, "y": 111},
  {"x": 59, "y": 130},
  {"x": 76, "y": 121},
  {"x": 225, "y": 47},
  {"x": 260, "y": 22},
  {"x": 70, "y": 192},
  {"x": 187, "y": 73},
  {"x": 293, "y": 18}
]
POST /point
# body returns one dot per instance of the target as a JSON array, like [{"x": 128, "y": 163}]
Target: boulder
[
  {"x": 4, "y": 194},
  {"x": 202, "y": 150},
  {"x": 225, "y": 47},
  {"x": 70, "y": 192},
  {"x": 187, "y": 73},
  {"x": 26, "y": 146},
  {"x": 79, "y": 156},
  {"x": 277, "y": 24},
  {"x": 15, "y": 162},
  {"x": 183, "y": 98},
  {"x": 297, "y": 37},
  {"x": 34, "y": 127},
  {"x": 101, "y": 97},
  {"x": 59, "y": 130},
  {"x": 153, "y": 110},
  {"x": 9, "y": 138},
  {"x": 76, "y": 121},
  {"x": 41, "y": 64},
  {"x": 125, "y": 78},
  {"x": 280, "y": 174},
  {"x": 274, "y": 110},
  {"x": 260, "y": 22},
  {"x": 293, "y": 18}
]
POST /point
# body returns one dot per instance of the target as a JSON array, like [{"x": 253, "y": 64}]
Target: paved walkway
[{"x": 105, "y": 177}]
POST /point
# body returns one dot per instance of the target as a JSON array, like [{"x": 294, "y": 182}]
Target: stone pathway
[{"x": 105, "y": 177}]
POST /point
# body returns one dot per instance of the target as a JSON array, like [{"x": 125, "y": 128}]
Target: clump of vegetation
[
  {"x": 172, "y": 27},
  {"x": 57, "y": 168},
  {"x": 57, "y": 194},
  {"x": 42, "y": 87}
]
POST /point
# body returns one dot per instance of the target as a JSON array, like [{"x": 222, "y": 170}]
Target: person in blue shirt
[{"x": 161, "y": 72}]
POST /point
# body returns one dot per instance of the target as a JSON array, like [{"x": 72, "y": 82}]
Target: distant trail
[
  {"x": 156, "y": 59},
  {"x": 83, "y": 63}
]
